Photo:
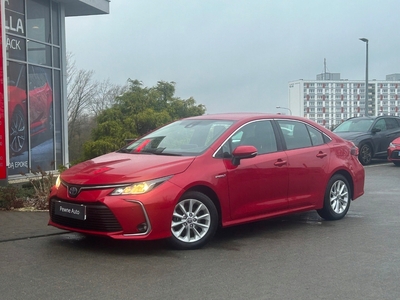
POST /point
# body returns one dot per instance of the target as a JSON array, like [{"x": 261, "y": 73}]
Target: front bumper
[{"x": 146, "y": 216}]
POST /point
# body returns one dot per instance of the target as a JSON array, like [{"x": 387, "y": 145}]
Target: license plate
[{"x": 70, "y": 210}]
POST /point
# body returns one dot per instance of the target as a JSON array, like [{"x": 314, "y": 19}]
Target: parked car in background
[
  {"x": 184, "y": 180},
  {"x": 372, "y": 135},
  {"x": 393, "y": 152}
]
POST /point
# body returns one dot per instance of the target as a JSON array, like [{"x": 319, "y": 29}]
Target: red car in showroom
[
  {"x": 393, "y": 152},
  {"x": 40, "y": 106},
  {"x": 184, "y": 180}
]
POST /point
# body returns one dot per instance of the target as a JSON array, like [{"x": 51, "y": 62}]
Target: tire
[
  {"x": 337, "y": 198},
  {"x": 18, "y": 131},
  {"x": 194, "y": 221},
  {"x": 365, "y": 155},
  {"x": 397, "y": 163}
]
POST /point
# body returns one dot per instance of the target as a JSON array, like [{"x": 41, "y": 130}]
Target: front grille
[
  {"x": 98, "y": 218},
  {"x": 395, "y": 154}
]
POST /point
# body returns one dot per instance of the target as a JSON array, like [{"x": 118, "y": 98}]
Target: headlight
[
  {"x": 394, "y": 145},
  {"x": 139, "y": 187},
  {"x": 58, "y": 182}
]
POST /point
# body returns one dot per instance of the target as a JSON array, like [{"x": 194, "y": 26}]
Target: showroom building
[{"x": 33, "y": 114}]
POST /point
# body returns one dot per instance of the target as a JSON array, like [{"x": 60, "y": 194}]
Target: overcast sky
[{"x": 236, "y": 55}]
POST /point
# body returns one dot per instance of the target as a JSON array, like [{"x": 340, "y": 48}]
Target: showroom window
[{"x": 34, "y": 85}]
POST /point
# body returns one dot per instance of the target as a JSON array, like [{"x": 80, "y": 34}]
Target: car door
[
  {"x": 257, "y": 186},
  {"x": 380, "y": 136},
  {"x": 308, "y": 162}
]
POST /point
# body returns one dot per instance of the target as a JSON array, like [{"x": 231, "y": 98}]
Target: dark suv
[{"x": 372, "y": 135}]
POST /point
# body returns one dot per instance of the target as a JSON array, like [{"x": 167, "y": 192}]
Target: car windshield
[
  {"x": 355, "y": 125},
  {"x": 185, "y": 137}
]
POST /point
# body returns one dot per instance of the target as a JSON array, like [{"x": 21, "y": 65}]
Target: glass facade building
[{"x": 34, "y": 132}]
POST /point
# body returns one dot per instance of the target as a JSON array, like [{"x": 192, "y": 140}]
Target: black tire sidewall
[
  {"x": 327, "y": 212},
  {"x": 362, "y": 161}
]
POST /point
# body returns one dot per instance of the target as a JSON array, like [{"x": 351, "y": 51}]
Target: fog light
[{"x": 142, "y": 227}]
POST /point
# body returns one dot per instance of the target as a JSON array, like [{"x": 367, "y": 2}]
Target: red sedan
[
  {"x": 393, "y": 152},
  {"x": 185, "y": 179},
  {"x": 40, "y": 106}
]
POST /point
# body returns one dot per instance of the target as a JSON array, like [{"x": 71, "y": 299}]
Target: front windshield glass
[
  {"x": 185, "y": 137},
  {"x": 355, "y": 125}
]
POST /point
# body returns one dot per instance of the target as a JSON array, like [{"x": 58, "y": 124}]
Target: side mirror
[
  {"x": 243, "y": 152},
  {"x": 375, "y": 130}
]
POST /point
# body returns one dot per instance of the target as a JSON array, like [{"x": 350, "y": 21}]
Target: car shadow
[{"x": 230, "y": 238}]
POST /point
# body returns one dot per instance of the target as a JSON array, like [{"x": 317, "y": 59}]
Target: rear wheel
[
  {"x": 365, "y": 155},
  {"x": 337, "y": 198},
  {"x": 194, "y": 221}
]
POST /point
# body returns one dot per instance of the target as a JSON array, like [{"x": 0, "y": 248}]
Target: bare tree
[
  {"x": 105, "y": 96},
  {"x": 86, "y": 99}
]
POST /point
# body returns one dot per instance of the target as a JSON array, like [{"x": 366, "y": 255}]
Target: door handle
[
  {"x": 280, "y": 163},
  {"x": 321, "y": 154}
]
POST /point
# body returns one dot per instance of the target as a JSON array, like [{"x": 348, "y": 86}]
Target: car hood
[{"x": 116, "y": 167}]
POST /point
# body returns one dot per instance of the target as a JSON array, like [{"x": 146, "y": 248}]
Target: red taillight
[{"x": 354, "y": 150}]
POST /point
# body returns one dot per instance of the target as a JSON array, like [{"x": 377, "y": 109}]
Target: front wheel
[
  {"x": 17, "y": 132},
  {"x": 337, "y": 198},
  {"x": 194, "y": 221},
  {"x": 365, "y": 155}
]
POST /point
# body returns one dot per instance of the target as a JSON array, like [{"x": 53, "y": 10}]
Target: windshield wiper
[{"x": 124, "y": 150}]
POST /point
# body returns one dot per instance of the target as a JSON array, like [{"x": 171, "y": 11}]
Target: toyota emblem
[{"x": 73, "y": 191}]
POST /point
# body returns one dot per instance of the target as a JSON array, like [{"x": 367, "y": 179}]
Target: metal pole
[
  {"x": 290, "y": 111},
  {"x": 366, "y": 75}
]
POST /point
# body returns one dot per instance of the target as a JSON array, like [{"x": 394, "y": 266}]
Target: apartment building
[{"x": 329, "y": 100}]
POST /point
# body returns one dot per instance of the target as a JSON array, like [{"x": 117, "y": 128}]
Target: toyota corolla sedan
[
  {"x": 393, "y": 152},
  {"x": 186, "y": 179}
]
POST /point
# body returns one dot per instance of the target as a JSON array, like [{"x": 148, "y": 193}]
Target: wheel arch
[
  {"x": 349, "y": 179},
  {"x": 210, "y": 193}
]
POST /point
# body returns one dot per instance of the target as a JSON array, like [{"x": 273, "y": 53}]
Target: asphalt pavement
[{"x": 18, "y": 225}]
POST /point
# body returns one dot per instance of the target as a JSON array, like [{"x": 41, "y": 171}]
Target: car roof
[
  {"x": 372, "y": 117},
  {"x": 247, "y": 116}
]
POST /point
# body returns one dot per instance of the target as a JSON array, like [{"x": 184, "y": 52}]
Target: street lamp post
[
  {"x": 366, "y": 76},
  {"x": 285, "y": 108}
]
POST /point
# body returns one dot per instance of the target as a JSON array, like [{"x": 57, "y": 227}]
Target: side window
[
  {"x": 260, "y": 135},
  {"x": 380, "y": 124},
  {"x": 391, "y": 124},
  {"x": 295, "y": 134},
  {"x": 316, "y": 136}
]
